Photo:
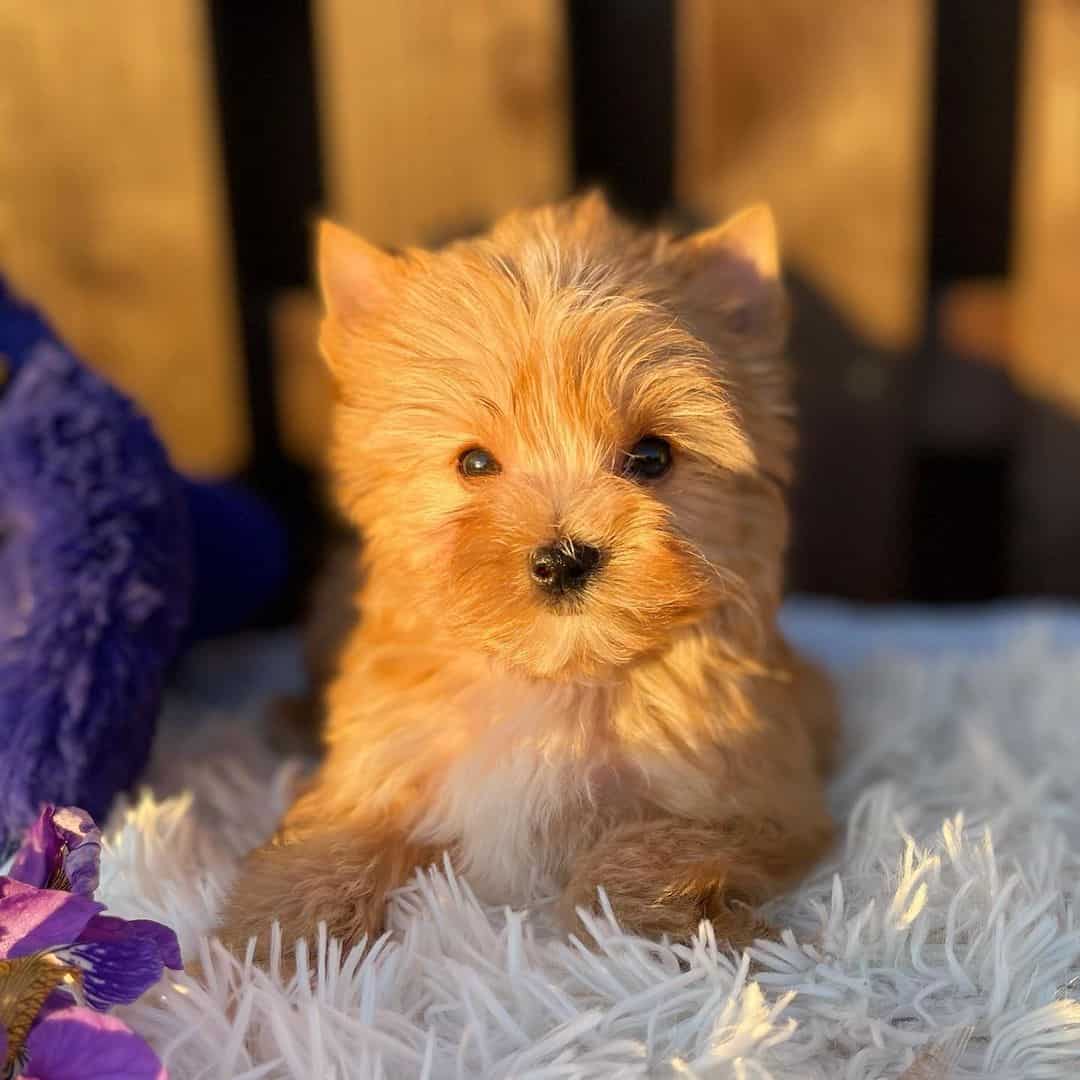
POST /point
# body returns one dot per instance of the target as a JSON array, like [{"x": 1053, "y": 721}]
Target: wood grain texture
[
  {"x": 440, "y": 114},
  {"x": 1045, "y": 329},
  {"x": 111, "y": 207},
  {"x": 303, "y": 383},
  {"x": 820, "y": 108}
]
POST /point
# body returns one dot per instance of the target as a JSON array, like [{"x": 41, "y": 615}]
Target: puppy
[{"x": 567, "y": 446}]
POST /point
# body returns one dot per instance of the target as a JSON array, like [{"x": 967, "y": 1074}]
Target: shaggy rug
[{"x": 940, "y": 939}]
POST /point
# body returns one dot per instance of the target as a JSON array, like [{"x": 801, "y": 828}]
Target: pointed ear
[
  {"x": 591, "y": 207},
  {"x": 735, "y": 269},
  {"x": 355, "y": 277},
  {"x": 748, "y": 237}
]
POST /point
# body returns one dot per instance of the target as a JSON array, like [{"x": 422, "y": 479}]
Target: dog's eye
[
  {"x": 478, "y": 462},
  {"x": 648, "y": 459}
]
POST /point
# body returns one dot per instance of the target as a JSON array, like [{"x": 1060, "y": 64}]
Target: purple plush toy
[{"x": 97, "y": 535}]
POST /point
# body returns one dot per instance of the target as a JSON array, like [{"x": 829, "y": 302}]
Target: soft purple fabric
[
  {"x": 32, "y": 920},
  {"x": 77, "y": 1044},
  {"x": 94, "y": 578},
  {"x": 63, "y": 844}
]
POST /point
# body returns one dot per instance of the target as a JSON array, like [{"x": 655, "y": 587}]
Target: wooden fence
[{"x": 161, "y": 163}]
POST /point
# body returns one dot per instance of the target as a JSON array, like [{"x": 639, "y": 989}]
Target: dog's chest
[{"x": 528, "y": 793}]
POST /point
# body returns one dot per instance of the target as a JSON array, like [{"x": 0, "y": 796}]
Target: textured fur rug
[{"x": 940, "y": 940}]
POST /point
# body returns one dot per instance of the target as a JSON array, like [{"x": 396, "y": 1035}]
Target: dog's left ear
[{"x": 734, "y": 270}]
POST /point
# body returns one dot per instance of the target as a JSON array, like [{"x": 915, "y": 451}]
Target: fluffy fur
[{"x": 655, "y": 736}]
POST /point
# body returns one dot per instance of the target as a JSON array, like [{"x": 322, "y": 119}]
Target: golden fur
[{"x": 658, "y": 738}]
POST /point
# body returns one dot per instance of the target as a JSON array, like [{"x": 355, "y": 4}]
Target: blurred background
[{"x": 161, "y": 164}]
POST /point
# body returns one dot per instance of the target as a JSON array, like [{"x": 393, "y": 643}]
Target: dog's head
[{"x": 568, "y": 439}]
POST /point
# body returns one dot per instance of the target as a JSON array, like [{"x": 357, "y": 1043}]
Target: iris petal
[
  {"x": 109, "y": 928},
  {"x": 39, "y": 854},
  {"x": 120, "y": 960},
  {"x": 25, "y": 985},
  {"x": 62, "y": 850},
  {"x": 77, "y": 1044},
  {"x": 165, "y": 939},
  {"x": 35, "y": 920},
  {"x": 82, "y": 839}
]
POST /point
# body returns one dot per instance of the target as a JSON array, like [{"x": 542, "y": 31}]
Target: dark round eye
[
  {"x": 478, "y": 462},
  {"x": 648, "y": 458}
]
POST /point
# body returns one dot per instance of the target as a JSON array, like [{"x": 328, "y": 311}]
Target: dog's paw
[
  {"x": 654, "y": 908},
  {"x": 665, "y": 877}
]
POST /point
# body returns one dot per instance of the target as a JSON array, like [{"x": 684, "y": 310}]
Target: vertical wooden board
[
  {"x": 821, "y": 108},
  {"x": 302, "y": 381},
  {"x": 1045, "y": 330},
  {"x": 1043, "y": 305},
  {"x": 111, "y": 207},
  {"x": 440, "y": 114}
]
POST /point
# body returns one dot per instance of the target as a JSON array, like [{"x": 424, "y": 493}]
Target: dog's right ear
[{"x": 355, "y": 277}]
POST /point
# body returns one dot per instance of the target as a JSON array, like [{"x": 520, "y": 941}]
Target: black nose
[{"x": 563, "y": 567}]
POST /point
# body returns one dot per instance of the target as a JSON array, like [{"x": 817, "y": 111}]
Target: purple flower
[
  {"x": 77, "y": 1044},
  {"x": 121, "y": 959},
  {"x": 61, "y": 851},
  {"x": 56, "y": 946},
  {"x": 35, "y": 920}
]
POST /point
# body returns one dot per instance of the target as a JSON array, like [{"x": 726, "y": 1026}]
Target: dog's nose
[{"x": 563, "y": 567}]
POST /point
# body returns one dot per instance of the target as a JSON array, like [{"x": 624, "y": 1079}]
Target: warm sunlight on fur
[{"x": 567, "y": 446}]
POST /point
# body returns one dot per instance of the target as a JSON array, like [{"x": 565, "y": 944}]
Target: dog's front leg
[
  {"x": 665, "y": 875},
  {"x": 339, "y": 875}
]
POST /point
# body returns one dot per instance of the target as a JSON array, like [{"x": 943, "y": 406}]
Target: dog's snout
[{"x": 563, "y": 567}]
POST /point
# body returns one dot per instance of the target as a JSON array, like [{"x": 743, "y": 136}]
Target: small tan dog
[{"x": 567, "y": 446}]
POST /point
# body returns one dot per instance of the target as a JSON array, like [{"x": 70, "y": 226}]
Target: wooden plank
[
  {"x": 111, "y": 211},
  {"x": 1031, "y": 324},
  {"x": 1046, "y": 312},
  {"x": 303, "y": 383},
  {"x": 440, "y": 114},
  {"x": 820, "y": 108}
]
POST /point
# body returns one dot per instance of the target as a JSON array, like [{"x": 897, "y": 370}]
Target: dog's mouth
[
  {"x": 577, "y": 604},
  {"x": 571, "y": 609},
  {"x": 588, "y": 639}
]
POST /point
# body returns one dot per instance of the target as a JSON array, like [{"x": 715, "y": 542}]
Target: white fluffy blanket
[{"x": 940, "y": 939}]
